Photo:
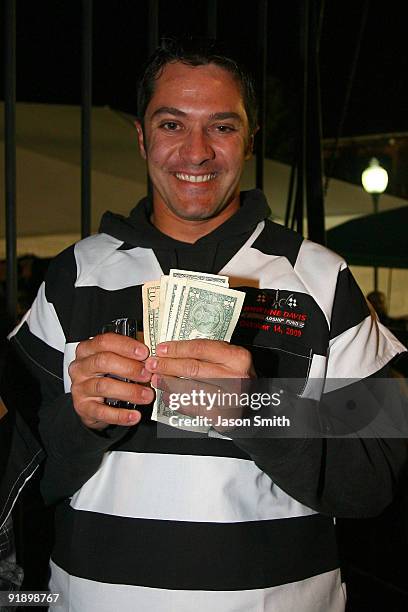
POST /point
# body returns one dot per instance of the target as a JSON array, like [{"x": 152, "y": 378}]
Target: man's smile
[{"x": 195, "y": 178}]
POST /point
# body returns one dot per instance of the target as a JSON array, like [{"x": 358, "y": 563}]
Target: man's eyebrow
[
  {"x": 226, "y": 115},
  {"x": 171, "y": 110},
  {"x": 168, "y": 110}
]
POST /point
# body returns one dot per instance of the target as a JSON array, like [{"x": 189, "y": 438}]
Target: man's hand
[
  {"x": 201, "y": 359},
  {"x": 179, "y": 364},
  {"x": 109, "y": 354}
]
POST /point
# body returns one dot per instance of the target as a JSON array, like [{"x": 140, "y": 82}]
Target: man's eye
[
  {"x": 224, "y": 129},
  {"x": 171, "y": 126}
]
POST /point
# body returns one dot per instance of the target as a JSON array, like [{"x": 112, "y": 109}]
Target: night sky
[{"x": 49, "y": 48}]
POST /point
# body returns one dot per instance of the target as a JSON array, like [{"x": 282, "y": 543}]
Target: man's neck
[{"x": 188, "y": 230}]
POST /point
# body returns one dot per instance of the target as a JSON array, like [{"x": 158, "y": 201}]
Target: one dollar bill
[{"x": 185, "y": 306}]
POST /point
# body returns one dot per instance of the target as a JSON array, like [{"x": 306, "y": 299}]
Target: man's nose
[{"x": 196, "y": 148}]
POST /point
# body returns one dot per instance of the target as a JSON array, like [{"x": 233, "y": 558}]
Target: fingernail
[
  {"x": 153, "y": 381},
  {"x": 144, "y": 372},
  {"x": 139, "y": 351},
  {"x": 133, "y": 417},
  {"x": 146, "y": 394},
  {"x": 153, "y": 364},
  {"x": 162, "y": 349}
]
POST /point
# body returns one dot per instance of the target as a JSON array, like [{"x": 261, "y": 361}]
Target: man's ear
[
  {"x": 140, "y": 138},
  {"x": 250, "y": 144}
]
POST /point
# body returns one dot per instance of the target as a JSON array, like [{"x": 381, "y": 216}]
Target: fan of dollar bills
[{"x": 183, "y": 306}]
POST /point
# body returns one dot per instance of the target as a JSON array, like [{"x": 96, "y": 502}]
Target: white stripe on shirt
[{"x": 191, "y": 488}]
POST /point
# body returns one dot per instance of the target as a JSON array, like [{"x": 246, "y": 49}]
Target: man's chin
[
  {"x": 195, "y": 210},
  {"x": 197, "y": 214}
]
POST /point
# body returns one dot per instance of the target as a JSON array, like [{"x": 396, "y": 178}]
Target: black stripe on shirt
[
  {"x": 349, "y": 307},
  {"x": 59, "y": 285},
  {"x": 126, "y": 246},
  {"x": 146, "y": 439},
  {"x": 193, "y": 556},
  {"x": 36, "y": 352},
  {"x": 279, "y": 241},
  {"x": 94, "y": 307}
]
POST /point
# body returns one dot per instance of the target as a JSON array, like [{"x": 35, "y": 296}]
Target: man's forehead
[
  {"x": 181, "y": 70},
  {"x": 208, "y": 84}
]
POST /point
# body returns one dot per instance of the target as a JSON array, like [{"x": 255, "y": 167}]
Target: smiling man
[
  {"x": 195, "y": 137},
  {"x": 199, "y": 523}
]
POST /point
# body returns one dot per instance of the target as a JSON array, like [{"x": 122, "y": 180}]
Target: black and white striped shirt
[{"x": 174, "y": 525}]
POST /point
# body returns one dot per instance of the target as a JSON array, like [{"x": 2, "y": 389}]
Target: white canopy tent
[{"x": 49, "y": 178}]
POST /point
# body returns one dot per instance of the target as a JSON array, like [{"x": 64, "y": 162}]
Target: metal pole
[
  {"x": 376, "y": 200},
  {"x": 212, "y": 19},
  {"x": 10, "y": 198},
  {"x": 153, "y": 25},
  {"x": 289, "y": 202},
  {"x": 152, "y": 44},
  {"x": 313, "y": 161},
  {"x": 302, "y": 136},
  {"x": 262, "y": 56},
  {"x": 10, "y": 157},
  {"x": 86, "y": 118}
]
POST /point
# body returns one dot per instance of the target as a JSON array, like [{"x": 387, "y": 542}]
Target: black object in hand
[{"x": 125, "y": 327}]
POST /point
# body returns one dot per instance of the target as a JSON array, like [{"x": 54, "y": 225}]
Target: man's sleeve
[
  {"x": 353, "y": 476},
  {"x": 74, "y": 452}
]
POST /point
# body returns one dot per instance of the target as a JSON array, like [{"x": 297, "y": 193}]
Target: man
[{"x": 157, "y": 524}]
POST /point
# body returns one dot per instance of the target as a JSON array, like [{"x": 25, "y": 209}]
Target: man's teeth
[{"x": 191, "y": 178}]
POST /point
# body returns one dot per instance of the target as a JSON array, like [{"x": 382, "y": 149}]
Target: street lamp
[{"x": 375, "y": 181}]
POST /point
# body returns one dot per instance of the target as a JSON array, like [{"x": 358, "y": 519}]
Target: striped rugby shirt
[{"x": 206, "y": 524}]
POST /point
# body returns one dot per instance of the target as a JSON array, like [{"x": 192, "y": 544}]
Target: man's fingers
[
  {"x": 229, "y": 356},
  {"x": 104, "y": 386},
  {"x": 112, "y": 343},
  {"x": 121, "y": 357},
  {"x": 185, "y": 368},
  {"x": 108, "y": 363},
  {"x": 97, "y": 415},
  {"x": 205, "y": 350}
]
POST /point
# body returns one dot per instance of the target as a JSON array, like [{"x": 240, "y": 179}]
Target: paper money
[
  {"x": 201, "y": 276},
  {"x": 151, "y": 304},
  {"x": 183, "y": 306},
  {"x": 175, "y": 290},
  {"x": 208, "y": 312},
  {"x": 176, "y": 287},
  {"x": 162, "y": 306}
]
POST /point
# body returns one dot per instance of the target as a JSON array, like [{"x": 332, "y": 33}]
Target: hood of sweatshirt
[{"x": 208, "y": 254}]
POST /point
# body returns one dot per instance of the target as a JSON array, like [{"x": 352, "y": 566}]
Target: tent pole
[
  {"x": 262, "y": 57},
  {"x": 313, "y": 132},
  {"x": 153, "y": 25},
  {"x": 10, "y": 156},
  {"x": 86, "y": 113},
  {"x": 152, "y": 44},
  {"x": 212, "y": 19},
  {"x": 300, "y": 195}
]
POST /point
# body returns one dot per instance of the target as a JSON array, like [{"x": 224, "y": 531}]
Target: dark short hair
[{"x": 195, "y": 52}]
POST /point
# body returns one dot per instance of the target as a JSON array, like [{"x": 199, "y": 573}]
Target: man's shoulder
[
  {"x": 80, "y": 257},
  {"x": 96, "y": 245},
  {"x": 278, "y": 240},
  {"x": 313, "y": 252},
  {"x": 91, "y": 248}
]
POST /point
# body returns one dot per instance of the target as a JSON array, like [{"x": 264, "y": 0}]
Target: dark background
[
  {"x": 49, "y": 71},
  {"x": 49, "y": 53}
]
